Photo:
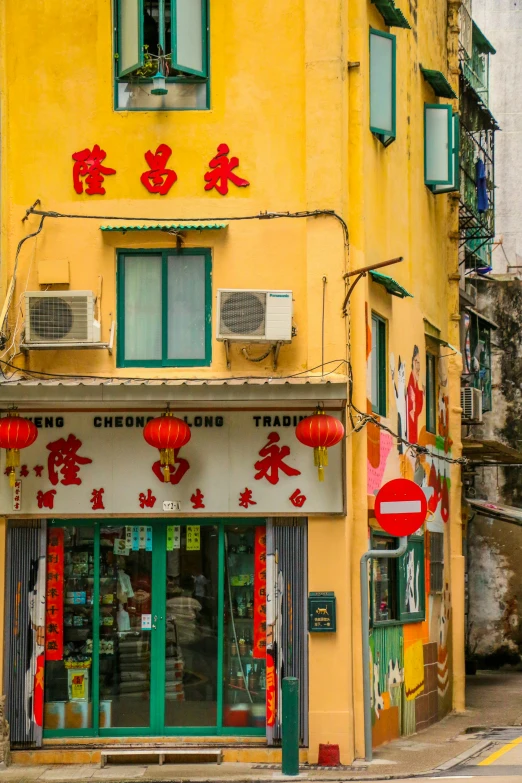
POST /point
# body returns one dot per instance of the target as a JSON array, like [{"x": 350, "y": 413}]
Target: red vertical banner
[
  {"x": 271, "y": 691},
  {"x": 259, "y": 646},
  {"x": 54, "y": 596}
]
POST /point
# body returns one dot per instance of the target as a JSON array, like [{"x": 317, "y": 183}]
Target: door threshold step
[{"x": 162, "y": 755}]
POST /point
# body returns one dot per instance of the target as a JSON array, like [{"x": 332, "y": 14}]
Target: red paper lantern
[
  {"x": 319, "y": 432},
  {"x": 167, "y": 433},
  {"x": 15, "y": 433}
]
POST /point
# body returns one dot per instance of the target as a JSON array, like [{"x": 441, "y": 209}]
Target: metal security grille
[
  {"x": 64, "y": 318},
  {"x": 24, "y": 631},
  {"x": 242, "y": 312},
  {"x": 436, "y": 562},
  {"x": 287, "y": 590}
]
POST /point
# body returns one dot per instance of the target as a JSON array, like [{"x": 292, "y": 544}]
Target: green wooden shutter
[
  {"x": 455, "y": 180},
  {"x": 438, "y": 144},
  {"x": 382, "y": 83},
  {"x": 189, "y": 36},
  {"x": 130, "y": 36}
]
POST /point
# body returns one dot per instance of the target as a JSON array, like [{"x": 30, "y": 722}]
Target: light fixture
[{"x": 158, "y": 84}]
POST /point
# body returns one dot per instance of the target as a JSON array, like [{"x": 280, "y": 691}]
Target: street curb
[{"x": 473, "y": 751}]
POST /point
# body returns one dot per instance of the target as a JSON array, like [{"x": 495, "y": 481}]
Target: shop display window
[
  {"x": 69, "y": 628},
  {"x": 244, "y": 693}
]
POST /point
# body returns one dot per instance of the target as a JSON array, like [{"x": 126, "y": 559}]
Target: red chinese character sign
[
  {"x": 88, "y": 169},
  {"x": 259, "y": 646},
  {"x": 222, "y": 172},
  {"x": 400, "y": 507},
  {"x": 240, "y": 462},
  {"x": 54, "y": 596},
  {"x": 158, "y": 179}
]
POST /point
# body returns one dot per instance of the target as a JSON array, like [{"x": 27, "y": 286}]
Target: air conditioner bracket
[
  {"x": 275, "y": 352},
  {"x": 276, "y": 348}
]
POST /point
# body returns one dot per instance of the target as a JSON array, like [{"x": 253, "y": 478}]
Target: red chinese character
[
  {"x": 64, "y": 454},
  {"x": 24, "y": 471},
  {"x": 38, "y": 470},
  {"x": 222, "y": 172},
  {"x": 147, "y": 500},
  {"x": 245, "y": 498},
  {"x": 272, "y": 463},
  {"x": 89, "y": 164},
  {"x": 197, "y": 499},
  {"x": 177, "y": 470},
  {"x": 96, "y": 499},
  {"x": 297, "y": 499},
  {"x": 159, "y": 179},
  {"x": 46, "y": 499}
]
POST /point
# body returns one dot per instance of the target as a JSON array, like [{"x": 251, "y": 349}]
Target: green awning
[
  {"x": 392, "y": 286},
  {"x": 392, "y": 16},
  {"x": 166, "y": 227},
  {"x": 439, "y": 83},
  {"x": 481, "y": 42}
]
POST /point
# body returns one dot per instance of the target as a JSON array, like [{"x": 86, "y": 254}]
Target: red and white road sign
[{"x": 400, "y": 507}]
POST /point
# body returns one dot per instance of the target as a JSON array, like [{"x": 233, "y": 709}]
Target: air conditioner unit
[
  {"x": 471, "y": 404},
  {"x": 60, "y": 318},
  {"x": 254, "y": 316}
]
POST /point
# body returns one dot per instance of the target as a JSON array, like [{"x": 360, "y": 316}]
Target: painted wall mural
[{"x": 410, "y": 662}]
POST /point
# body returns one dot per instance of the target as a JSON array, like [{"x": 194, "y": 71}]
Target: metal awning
[
  {"x": 392, "y": 16},
  {"x": 392, "y": 286},
  {"x": 482, "y": 317},
  {"x": 23, "y": 391},
  {"x": 438, "y": 82},
  {"x": 481, "y": 42},
  {"x": 168, "y": 227},
  {"x": 490, "y": 452},
  {"x": 497, "y": 511}
]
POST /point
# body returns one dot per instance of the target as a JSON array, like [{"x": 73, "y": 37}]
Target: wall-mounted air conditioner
[
  {"x": 254, "y": 316},
  {"x": 471, "y": 404},
  {"x": 60, "y": 318}
]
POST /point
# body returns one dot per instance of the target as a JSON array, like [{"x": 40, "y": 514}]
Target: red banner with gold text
[
  {"x": 54, "y": 596},
  {"x": 259, "y": 647}
]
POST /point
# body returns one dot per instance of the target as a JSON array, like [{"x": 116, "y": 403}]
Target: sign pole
[{"x": 365, "y": 623}]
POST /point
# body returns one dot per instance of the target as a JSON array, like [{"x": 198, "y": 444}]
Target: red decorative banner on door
[
  {"x": 54, "y": 596},
  {"x": 259, "y": 647},
  {"x": 271, "y": 691}
]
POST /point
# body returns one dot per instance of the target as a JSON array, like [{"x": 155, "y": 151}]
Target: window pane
[
  {"x": 130, "y": 45},
  {"x": 189, "y": 34},
  {"x": 381, "y": 84},
  {"x": 68, "y": 678},
  {"x": 186, "y": 307},
  {"x": 437, "y": 141},
  {"x": 384, "y": 580},
  {"x": 142, "y": 307},
  {"x": 375, "y": 364}
]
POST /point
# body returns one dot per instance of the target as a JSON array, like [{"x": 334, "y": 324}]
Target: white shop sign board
[{"x": 214, "y": 473}]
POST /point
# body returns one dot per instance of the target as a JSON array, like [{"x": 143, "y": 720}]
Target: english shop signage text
[{"x": 119, "y": 422}]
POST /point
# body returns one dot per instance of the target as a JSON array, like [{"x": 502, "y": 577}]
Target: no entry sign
[{"x": 400, "y": 507}]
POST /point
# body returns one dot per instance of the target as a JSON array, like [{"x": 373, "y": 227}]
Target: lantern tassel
[
  {"x": 12, "y": 477},
  {"x": 12, "y": 462},
  {"x": 321, "y": 460}
]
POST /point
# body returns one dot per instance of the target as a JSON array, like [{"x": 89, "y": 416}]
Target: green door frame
[{"x": 158, "y": 640}]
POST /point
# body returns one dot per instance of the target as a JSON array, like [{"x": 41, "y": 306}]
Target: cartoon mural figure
[
  {"x": 399, "y": 388},
  {"x": 412, "y": 598},
  {"x": 415, "y": 398},
  {"x": 395, "y": 674},
  {"x": 35, "y": 668},
  {"x": 442, "y": 657}
]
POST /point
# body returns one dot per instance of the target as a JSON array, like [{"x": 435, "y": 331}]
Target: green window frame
[
  {"x": 455, "y": 157},
  {"x": 405, "y": 601},
  {"x": 438, "y": 144},
  {"x": 161, "y": 334},
  {"x": 188, "y": 41},
  {"x": 378, "y": 366},
  {"x": 383, "y": 85},
  {"x": 431, "y": 392}
]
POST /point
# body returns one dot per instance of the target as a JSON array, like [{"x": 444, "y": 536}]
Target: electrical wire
[
  {"x": 260, "y": 216},
  {"x": 15, "y": 268}
]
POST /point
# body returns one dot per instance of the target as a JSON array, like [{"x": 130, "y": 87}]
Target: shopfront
[{"x": 137, "y": 607}]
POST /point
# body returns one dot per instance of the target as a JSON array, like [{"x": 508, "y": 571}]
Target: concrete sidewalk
[{"x": 493, "y": 699}]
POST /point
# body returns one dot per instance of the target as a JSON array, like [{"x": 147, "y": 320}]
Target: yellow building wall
[{"x": 287, "y": 104}]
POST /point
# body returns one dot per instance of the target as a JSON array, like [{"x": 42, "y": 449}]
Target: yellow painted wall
[{"x": 284, "y": 100}]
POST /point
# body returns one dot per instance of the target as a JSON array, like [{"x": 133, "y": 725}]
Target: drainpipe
[{"x": 365, "y": 624}]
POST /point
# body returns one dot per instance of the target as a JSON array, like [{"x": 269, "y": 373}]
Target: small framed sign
[{"x": 321, "y": 613}]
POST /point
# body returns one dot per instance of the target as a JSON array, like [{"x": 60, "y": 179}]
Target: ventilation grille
[
  {"x": 242, "y": 313},
  {"x": 56, "y": 317}
]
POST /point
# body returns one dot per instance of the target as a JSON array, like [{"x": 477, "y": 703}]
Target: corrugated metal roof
[
  {"x": 439, "y": 83},
  {"x": 87, "y": 382},
  {"x": 392, "y": 286},
  {"x": 166, "y": 227}
]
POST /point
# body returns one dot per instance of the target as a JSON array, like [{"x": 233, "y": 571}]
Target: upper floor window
[
  {"x": 169, "y": 36},
  {"x": 164, "y": 308},
  {"x": 441, "y": 148},
  {"x": 382, "y": 85},
  {"x": 378, "y": 365},
  {"x": 431, "y": 392}
]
